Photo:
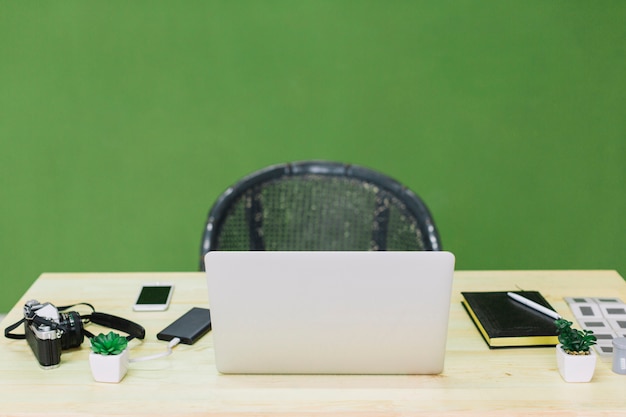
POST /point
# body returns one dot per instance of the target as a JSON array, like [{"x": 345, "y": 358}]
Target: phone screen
[{"x": 154, "y": 297}]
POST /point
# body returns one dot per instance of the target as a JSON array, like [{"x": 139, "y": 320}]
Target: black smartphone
[{"x": 189, "y": 327}]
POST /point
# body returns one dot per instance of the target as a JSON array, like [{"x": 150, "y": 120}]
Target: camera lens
[{"x": 72, "y": 330}]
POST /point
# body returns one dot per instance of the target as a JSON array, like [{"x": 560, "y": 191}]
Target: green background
[{"x": 121, "y": 122}]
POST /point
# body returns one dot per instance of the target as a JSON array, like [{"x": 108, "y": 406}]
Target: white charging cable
[{"x": 168, "y": 352}]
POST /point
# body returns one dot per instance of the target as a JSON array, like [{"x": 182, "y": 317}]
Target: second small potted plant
[
  {"x": 575, "y": 358},
  {"x": 109, "y": 357}
]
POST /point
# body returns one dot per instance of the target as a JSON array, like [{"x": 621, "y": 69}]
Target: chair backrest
[{"x": 318, "y": 205}]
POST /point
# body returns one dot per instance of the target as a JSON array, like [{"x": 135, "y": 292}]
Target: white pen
[{"x": 534, "y": 305}]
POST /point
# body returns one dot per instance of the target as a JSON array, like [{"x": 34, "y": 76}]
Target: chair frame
[{"x": 413, "y": 203}]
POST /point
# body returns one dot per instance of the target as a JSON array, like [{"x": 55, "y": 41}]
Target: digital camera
[{"x": 49, "y": 329}]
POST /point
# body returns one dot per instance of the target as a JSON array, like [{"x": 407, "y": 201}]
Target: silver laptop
[{"x": 329, "y": 312}]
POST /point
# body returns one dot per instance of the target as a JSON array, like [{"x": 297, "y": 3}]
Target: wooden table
[{"x": 476, "y": 380}]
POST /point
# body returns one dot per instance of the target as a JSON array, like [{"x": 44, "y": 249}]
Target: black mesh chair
[{"x": 318, "y": 206}]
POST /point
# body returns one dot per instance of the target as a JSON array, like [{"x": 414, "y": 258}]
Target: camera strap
[
  {"x": 37, "y": 320},
  {"x": 9, "y": 329},
  {"x": 133, "y": 330},
  {"x": 40, "y": 320},
  {"x": 108, "y": 320}
]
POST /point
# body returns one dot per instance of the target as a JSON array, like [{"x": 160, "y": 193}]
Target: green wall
[{"x": 121, "y": 122}]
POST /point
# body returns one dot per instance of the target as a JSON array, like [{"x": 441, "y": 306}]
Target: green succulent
[
  {"x": 574, "y": 341},
  {"x": 108, "y": 344}
]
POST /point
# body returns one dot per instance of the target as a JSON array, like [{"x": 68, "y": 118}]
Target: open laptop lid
[{"x": 329, "y": 312}]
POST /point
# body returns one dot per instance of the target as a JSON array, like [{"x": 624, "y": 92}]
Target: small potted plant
[
  {"x": 109, "y": 357},
  {"x": 575, "y": 358}
]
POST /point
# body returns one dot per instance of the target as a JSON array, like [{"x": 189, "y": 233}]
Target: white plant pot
[
  {"x": 108, "y": 368},
  {"x": 576, "y": 368}
]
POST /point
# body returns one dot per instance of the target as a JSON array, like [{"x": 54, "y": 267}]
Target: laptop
[{"x": 329, "y": 312}]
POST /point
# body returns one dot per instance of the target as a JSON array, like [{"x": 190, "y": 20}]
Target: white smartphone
[{"x": 154, "y": 297}]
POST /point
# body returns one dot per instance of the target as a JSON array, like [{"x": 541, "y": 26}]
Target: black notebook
[{"x": 504, "y": 322}]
